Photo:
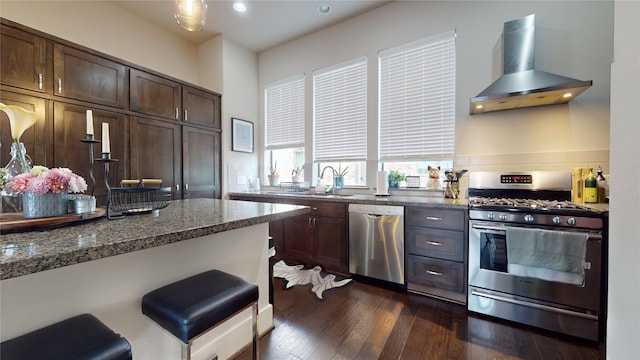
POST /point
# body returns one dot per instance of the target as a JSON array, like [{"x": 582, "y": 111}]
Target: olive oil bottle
[{"x": 590, "y": 189}]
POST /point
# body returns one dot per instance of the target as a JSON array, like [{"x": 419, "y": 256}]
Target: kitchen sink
[{"x": 308, "y": 193}]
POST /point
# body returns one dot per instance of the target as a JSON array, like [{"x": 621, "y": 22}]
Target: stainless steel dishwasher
[{"x": 376, "y": 242}]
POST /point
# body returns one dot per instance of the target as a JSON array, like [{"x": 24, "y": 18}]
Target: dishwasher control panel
[{"x": 377, "y": 209}]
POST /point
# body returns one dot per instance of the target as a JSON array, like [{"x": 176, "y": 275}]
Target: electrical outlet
[{"x": 241, "y": 180}]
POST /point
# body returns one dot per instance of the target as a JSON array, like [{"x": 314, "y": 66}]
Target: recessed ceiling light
[
  {"x": 239, "y": 6},
  {"x": 324, "y": 9}
]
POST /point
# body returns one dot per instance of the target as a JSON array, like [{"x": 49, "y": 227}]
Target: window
[
  {"x": 417, "y": 104},
  {"x": 284, "y": 125},
  {"x": 340, "y": 118}
]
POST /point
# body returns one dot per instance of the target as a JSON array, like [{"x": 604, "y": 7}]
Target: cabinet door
[
  {"x": 201, "y": 107},
  {"x": 298, "y": 240},
  {"x": 83, "y": 76},
  {"x": 154, "y": 95},
  {"x": 331, "y": 244},
  {"x": 22, "y": 59},
  {"x": 201, "y": 163},
  {"x": 155, "y": 152},
  {"x": 69, "y": 122},
  {"x": 33, "y": 138}
]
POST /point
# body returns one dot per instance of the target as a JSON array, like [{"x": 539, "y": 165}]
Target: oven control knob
[
  {"x": 503, "y": 217},
  {"x": 491, "y": 216},
  {"x": 556, "y": 220},
  {"x": 571, "y": 221},
  {"x": 528, "y": 218}
]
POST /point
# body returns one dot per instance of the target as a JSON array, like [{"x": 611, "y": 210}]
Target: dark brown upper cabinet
[
  {"x": 154, "y": 95},
  {"x": 201, "y": 107},
  {"x": 83, "y": 76},
  {"x": 23, "y": 60}
]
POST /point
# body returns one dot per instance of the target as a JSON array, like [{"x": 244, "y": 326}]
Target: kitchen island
[{"x": 104, "y": 267}]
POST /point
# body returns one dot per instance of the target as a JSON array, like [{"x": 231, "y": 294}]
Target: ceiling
[{"x": 265, "y": 24}]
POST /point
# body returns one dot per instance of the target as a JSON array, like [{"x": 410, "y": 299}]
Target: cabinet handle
[
  {"x": 186, "y": 115},
  {"x": 40, "y": 81},
  {"x": 177, "y": 188},
  {"x": 314, "y": 209},
  {"x": 186, "y": 191},
  {"x": 436, "y": 273},
  {"x": 59, "y": 86},
  {"x": 434, "y": 243},
  {"x": 434, "y": 218},
  {"x": 177, "y": 114},
  {"x": 315, "y": 222},
  {"x": 310, "y": 223}
]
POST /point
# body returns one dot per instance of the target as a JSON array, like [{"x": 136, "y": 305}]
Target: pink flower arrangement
[{"x": 42, "y": 180}]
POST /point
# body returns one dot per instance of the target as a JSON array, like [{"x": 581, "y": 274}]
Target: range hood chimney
[{"x": 521, "y": 85}]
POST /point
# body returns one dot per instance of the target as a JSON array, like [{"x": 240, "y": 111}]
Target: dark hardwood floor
[{"x": 362, "y": 321}]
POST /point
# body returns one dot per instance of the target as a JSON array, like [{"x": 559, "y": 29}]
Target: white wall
[
  {"x": 623, "y": 327},
  {"x": 548, "y": 138},
  {"x": 240, "y": 100}
]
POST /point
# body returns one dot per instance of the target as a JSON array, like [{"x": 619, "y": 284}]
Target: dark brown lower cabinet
[
  {"x": 156, "y": 152},
  {"x": 436, "y": 252},
  {"x": 70, "y": 126},
  {"x": 200, "y": 162},
  {"x": 317, "y": 238}
]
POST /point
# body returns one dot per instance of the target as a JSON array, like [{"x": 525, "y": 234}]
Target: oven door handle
[{"x": 490, "y": 229}]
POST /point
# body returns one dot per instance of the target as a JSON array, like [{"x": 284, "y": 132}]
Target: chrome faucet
[
  {"x": 334, "y": 188},
  {"x": 335, "y": 173}
]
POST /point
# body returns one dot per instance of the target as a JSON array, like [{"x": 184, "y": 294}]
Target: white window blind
[
  {"x": 417, "y": 100},
  {"x": 340, "y": 112},
  {"x": 284, "y": 114}
]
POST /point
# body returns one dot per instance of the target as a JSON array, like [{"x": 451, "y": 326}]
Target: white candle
[
  {"x": 89, "y": 122},
  {"x": 106, "y": 147}
]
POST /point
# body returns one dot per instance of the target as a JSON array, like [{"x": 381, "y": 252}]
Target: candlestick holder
[
  {"x": 106, "y": 158},
  {"x": 90, "y": 140}
]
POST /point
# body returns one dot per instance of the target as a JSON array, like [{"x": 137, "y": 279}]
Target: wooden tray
[{"x": 10, "y": 223}]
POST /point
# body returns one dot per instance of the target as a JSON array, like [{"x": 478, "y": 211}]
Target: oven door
[{"x": 488, "y": 269}]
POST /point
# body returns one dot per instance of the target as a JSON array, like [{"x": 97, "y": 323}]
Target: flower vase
[
  {"x": 45, "y": 205},
  {"x": 20, "y": 163}
]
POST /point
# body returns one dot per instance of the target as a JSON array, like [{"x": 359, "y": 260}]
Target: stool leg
[
  {"x": 186, "y": 350},
  {"x": 255, "y": 331}
]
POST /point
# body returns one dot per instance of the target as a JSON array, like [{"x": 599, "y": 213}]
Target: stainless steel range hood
[{"x": 521, "y": 85}]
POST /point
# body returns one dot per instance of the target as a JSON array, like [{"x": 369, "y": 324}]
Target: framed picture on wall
[{"x": 242, "y": 135}]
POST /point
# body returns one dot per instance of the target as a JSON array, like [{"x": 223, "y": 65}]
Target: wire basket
[{"x": 128, "y": 200}]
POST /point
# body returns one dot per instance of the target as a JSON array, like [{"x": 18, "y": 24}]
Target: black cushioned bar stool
[
  {"x": 190, "y": 307},
  {"x": 79, "y": 337}
]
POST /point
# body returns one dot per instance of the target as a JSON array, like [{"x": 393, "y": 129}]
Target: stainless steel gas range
[{"x": 535, "y": 257}]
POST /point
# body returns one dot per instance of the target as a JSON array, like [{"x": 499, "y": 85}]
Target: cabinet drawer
[
  {"x": 441, "y": 274},
  {"x": 436, "y": 243},
  {"x": 328, "y": 209},
  {"x": 435, "y": 218}
]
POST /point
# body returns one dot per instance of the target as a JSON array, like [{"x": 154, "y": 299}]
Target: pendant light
[{"x": 191, "y": 14}]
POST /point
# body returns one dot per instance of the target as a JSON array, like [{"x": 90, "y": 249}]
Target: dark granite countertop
[
  {"x": 35, "y": 251},
  {"x": 398, "y": 200}
]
